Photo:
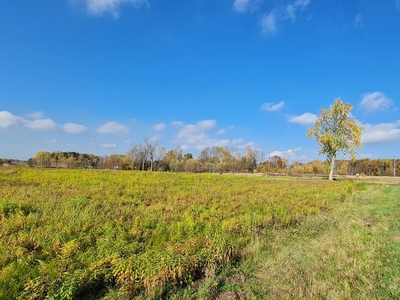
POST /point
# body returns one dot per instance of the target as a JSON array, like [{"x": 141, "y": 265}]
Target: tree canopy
[{"x": 336, "y": 130}]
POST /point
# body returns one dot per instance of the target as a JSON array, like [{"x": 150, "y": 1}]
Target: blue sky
[{"x": 96, "y": 76}]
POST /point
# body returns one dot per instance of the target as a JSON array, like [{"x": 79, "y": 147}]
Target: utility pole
[
  {"x": 394, "y": 169},
  {"x": 269, "y": 163}
]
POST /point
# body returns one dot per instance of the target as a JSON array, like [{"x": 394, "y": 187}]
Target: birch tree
[{"x": 335, "y": 131}]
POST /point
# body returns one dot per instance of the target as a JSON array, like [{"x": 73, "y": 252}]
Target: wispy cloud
[
  {"x": 35, "y": 115},
  {"x": 270, "y": 20},
  {"x": 220, "y": 132},
  {"x": 358, "y": 21},
  {"x": 99, "y": 7},
  {"x": 52, "y": 141},
  {"x": 108, "y": 146},
  {"x": 269, "y": 106},
  {"x": 268, "y": 23},
  {"x": 304, "y": 119},
  {"x": 224, "y": 130},
  {"x": 376, "y": 101},
  {"x": 159, "y": 126},
  {"x": 240, "y": 5},
  {"x": 237, "y": 141},
  {"x": 381, "y": 133},
  {"x": 113, "y": 128},
  {"x": 397, "y": 4},
  {"x": 177, "y": 123},
  {"x": 293, "y": 8},
  {"x": 73, "y": 128}
]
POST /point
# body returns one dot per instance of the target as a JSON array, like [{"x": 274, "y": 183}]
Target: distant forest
[{"x": 217, "y": 159}]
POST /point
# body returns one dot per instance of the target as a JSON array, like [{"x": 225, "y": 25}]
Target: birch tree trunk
[{"x": 332, "y": 168}]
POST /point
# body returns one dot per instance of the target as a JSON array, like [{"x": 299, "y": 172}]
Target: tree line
[{"x": 149, "y": 156}]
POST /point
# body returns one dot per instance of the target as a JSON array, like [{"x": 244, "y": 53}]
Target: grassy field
[{"x": 86, "y": 234}]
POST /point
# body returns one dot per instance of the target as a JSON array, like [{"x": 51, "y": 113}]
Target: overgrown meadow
[{"x": 73, "y": 234}]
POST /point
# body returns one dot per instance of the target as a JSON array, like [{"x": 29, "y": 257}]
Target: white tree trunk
[{"x": 332, "y": 168}]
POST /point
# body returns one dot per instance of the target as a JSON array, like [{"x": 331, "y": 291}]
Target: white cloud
[
  {"x": 381, "y": 133},
  {"x": 35, "y": 115},
  {"x": 159, "y": 126},
  {"x": 398, "y": 4},
  {"x": 376, "y": 101},
  {"x": 243, "y": 146},
  {"x": 8, "y": 120},
  {"x": 358, "y": 22},
  {"x": 222, "y": 143},
  {"x": 283, "y": 154},
  {"x": 237, "y": 141},
  {"x": 224, "y": 130},
  {"x": 177, "y": 123},
  {"x": 190, "y": 130},
  {"x": 73, "y": 128},
  {"x": 155, "y": 138},
  {"x": 113, "y": 128},
  {"x": 40, "y": 124},
  {"x": 108, "y": 146},
  {"x": 99, "y": 7},
  {"x": 290, "y": 154},
  {"x": 304, "y": 119},
  {"x": 272, "y": 106},
  {"x": 240, "y": 5},
  {"x": 194, "y": 136},
  {"x": 184, "y": 147},
  {"x": 268, "y": 23}
]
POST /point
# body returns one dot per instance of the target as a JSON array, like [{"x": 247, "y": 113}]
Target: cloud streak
[
  {"x": 271, "y": 18},
  {"x": 108, "y": 146},
  {"x": 271, "y": 107},
  {"x": 358, "y": 21}
]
